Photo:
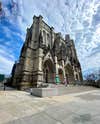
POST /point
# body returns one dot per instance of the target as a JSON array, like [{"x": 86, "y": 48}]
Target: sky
[{"x": 79, "y": 18}]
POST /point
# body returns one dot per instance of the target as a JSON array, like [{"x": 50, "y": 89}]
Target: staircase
[{"x": 53, "y": 90}]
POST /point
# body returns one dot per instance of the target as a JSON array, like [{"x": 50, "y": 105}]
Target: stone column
[
  {"x": 79, "y": 74},
  {"x": 74, "y": 73},
  {"x": 56, "y": 73},
  {"x": 52, "y": 36},
  {"x": 40, "y": 67},
  {"x": 40, "y": 53},
  {"x": 40, "y": 23},
  {"x": 64, "y": 70}
]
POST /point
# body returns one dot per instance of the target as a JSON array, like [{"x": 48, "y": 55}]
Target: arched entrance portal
[
  {"x": 69, "y": 73},
  {"x": 61, "y": 76},
  {"x": 48, "y": 71}
]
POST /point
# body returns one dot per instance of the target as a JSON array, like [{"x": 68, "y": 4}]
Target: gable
[{"x": 48, "y": 56}]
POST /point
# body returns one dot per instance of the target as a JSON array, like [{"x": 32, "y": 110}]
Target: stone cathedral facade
[{"x": 45, "y": 58}]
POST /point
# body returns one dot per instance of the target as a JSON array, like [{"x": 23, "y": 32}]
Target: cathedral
[{"x": 46, "y": 57}]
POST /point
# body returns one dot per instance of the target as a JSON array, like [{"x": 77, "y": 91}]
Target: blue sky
[{"x": 79, "y": 18}]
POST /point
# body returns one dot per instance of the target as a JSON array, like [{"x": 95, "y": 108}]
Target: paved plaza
[{"x": 80, "y": 105}]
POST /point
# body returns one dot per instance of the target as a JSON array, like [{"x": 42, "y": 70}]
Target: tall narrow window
[
  {"x": 44, "y": 37},
  {"x": 48, "y": 40}
]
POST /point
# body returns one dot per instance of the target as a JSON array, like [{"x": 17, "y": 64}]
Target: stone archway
[
  {"x": 48, "y": 71},
  {"x": 69, "y": 73},
  {"x": 61, "y": 75}
]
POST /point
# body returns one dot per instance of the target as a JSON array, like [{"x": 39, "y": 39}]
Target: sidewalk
[{"x": 19, "y": 107}]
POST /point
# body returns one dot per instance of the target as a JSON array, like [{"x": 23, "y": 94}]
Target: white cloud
[
  {"x": 5, "y": 65},
  {"x": 91, "y": 62},
  {"x": 6, "y": 60},
  {"x": 67, "y": 16}
]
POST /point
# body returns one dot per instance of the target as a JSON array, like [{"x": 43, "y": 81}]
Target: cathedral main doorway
[{"x": 48, "y": 71}]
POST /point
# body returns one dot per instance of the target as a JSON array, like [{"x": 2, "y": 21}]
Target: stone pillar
[
  {"x": 52, "y": 36},
  {"x": 40, "y": 23},
  {"x": 40, "y": 52},
  {"x": 56, "y": 73},
  {"x": 79, "y": 75},
  {"x": 64, "y": 70},
  {"x": 39, "y": 67},
  {"x": 74, "y": 73}
]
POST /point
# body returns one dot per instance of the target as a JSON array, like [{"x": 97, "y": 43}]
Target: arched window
[
  {"x": 44, "y": 37},
  {"x": 48, "y": 39}
]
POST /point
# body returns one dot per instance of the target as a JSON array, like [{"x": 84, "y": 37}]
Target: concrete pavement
[{"x": 81, "y": 105}]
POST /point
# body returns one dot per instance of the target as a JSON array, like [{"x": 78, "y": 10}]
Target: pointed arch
[{"x": 48, "y": 71}]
